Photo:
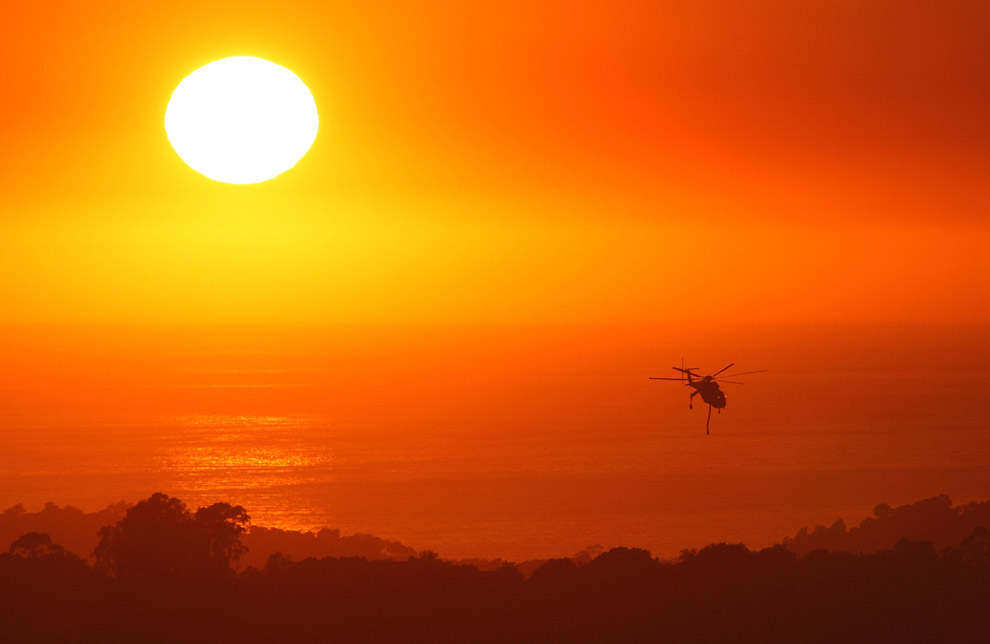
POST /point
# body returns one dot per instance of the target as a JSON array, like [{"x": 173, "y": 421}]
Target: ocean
[{"x": 536, "y": 463}]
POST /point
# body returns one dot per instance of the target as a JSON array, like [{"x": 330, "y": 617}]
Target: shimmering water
[
  {"x": 544, "y": 457},
  {"x": 476, "y": 493}
]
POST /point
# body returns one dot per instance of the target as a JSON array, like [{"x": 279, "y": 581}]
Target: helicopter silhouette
[{"x": 707, "y": 386}]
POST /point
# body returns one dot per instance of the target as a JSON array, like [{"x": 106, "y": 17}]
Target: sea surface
[
  {"x": 540, "y": 462},
  {"x": 476, "y": 494}
]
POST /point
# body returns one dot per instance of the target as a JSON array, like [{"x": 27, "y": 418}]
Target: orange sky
[{"x": 620, "y": 162}]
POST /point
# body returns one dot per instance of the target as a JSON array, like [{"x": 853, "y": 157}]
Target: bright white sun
[{"x": 241, "y": 120}]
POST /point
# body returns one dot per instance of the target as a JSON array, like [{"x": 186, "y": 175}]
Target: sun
[{"x": 241, "y": 120}]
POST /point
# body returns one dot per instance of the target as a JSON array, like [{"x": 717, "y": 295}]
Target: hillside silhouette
[
  {"x": 166, "y": 573},
  {"x": 933, "y": 519},
  {"x": 78, "y": 532}
]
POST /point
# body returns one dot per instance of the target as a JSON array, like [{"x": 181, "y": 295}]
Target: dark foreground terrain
[{"x": 165, "y": 574}]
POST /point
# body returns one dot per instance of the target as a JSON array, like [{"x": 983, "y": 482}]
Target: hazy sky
[{"x": 618, "y": 162}]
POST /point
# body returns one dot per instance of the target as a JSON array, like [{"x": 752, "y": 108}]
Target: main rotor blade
[
  {"x": 745, "y": 373},
  {"x": 722, "y": 369},
  {"x": 729, "y": 382},
  {"x": 676, "y": 379}
]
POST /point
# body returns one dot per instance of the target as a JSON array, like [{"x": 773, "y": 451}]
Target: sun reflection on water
[{"x": 246, "y": 460}]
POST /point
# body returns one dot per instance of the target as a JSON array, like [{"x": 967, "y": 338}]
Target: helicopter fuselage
[{"x": 709, "y": 391}]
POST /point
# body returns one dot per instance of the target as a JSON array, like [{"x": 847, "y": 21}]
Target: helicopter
[{"x": 707, "y": 386}]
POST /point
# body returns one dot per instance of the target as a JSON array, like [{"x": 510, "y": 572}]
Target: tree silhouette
[
  {"x": 165, "y": 576},
  {"x": 222, "y": 525},
  {"x": 159, "y": 537},
  {"x": 976, "y": 548},
  {"x": 35, "y": 544}
]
